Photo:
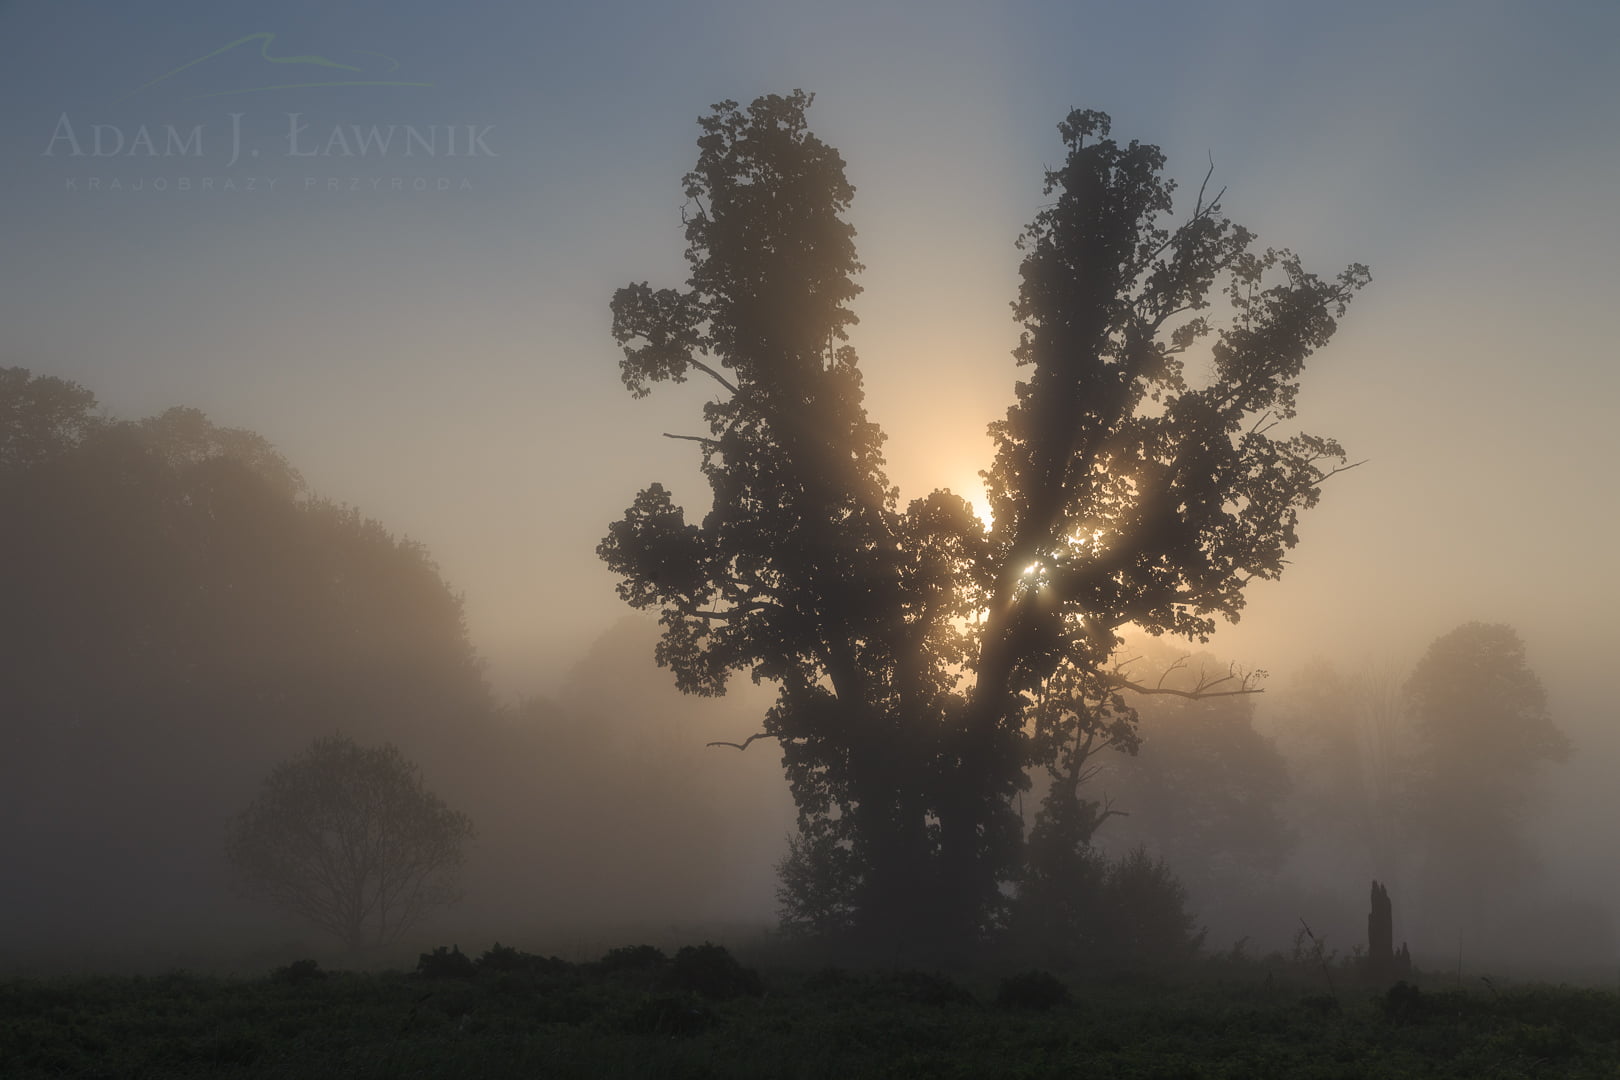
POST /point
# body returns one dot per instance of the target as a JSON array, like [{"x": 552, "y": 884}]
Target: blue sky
[{"x": 442, "y": 358}]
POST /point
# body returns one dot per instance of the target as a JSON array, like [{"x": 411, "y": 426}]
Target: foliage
[
  {"x": 1147, "y": 913},
  {"x": 913, "y": 648},
  {"x": 387, "y": 1024},
  {"x": 817, "y": 883},
  {"x": 632, "y": 958},
  {"x": 1083, "y": 910},
  {"x": 349, "y": 838},
  {"x": 671, "y": 1016},
  {"x": 298, "y": 972},
  {"x": 41, "y": 418},
  {"x": 443, "y": 963},
  {"x": 1035, "y": 989},
  {"x": 712, "y": 972},
  {"x": 500, "y": 957},
  {"x": 931, "y": 988}
]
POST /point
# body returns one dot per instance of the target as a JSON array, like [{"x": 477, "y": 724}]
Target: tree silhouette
[
  {"x": 350, "y": 839},
  {"x": 1482, "y": 729},
  {"x": 910, "y": 646},
  {"x": 1349, "y": 737},
  {"x": 173, "y": 596},
  {"x": 1207, "y": 788}
]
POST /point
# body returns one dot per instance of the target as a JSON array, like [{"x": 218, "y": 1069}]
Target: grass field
[{"x": 638, "y": 1013}]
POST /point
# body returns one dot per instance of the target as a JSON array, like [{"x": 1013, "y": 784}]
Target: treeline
[
  {"x": 181, "y": 613},
  {"x": 1428, "y": 776}
]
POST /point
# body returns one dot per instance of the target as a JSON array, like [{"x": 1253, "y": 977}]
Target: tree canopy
[{"x": 911, "y": 645}]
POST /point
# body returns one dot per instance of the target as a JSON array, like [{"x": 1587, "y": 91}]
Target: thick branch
[
  {"x": 713, "y": 374},
  {"x": 745, "y": 743},
  {"x": 692, "y": 438}
]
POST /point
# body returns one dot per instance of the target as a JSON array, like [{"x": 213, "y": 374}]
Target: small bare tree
[{"x": 349, "y": 838}]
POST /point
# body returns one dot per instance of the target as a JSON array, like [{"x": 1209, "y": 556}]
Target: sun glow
[{"x": 972, "y": 490}]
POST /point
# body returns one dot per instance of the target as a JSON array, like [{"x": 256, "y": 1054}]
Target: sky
[{"x": 426, "y": 335}]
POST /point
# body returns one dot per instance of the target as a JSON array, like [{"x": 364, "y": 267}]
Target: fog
[{"x": 425, "y": 339}]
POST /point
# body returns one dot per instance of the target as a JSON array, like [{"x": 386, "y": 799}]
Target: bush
[
  {"x": 830, "y": 980},
  {"x": 504, "y": 958},
  {"x": 444, "y": 963},
  {"x": 1145, "y": 907},
  {"x": 927, "y": 988},
  {"x": 713, "y": 972},
  {"x": 298, "y": 973},
  {"x": 1032, "y": 990},
  {"x": 632, "y": 958},
  {"x": 1404, "y": 1003},
  {"x": 670, "y": 1015},
  {"x": 1077, "y": 908}
]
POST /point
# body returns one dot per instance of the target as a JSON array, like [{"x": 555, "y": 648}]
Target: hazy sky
[{"x": 442, "y": 358}]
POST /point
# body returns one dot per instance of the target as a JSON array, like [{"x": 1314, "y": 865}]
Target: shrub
[
  {"x": 927, "y": 988},
  {"x": 1145, "y": 909},
  {"x": 670, "y": 1015},
  {"x": 1078, "y": 908},
  {"x": 712, "y": 971},
  {"x": 1032, "y": 990},
  {"x": 830, "y": 980},
  {"x": 297, "y": 973},
  {"x": 444, "y": 963},
  {"x": 504, "y": 958},
  {"x": 632, "y": 958}
]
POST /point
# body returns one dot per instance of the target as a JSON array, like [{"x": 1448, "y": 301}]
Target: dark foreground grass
[{"x": 640, "y": 1015}]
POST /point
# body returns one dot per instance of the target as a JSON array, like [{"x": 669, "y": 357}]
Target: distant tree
[
  {"x": 41, "y": 418},
  {"x": 817, "y": 884},
  {"x": 1482, "y": 730},
  {"x": 172, "y": 595},
  {"x": 1349, "y": 742},
  {"x": 349, "y": 838},
  {"x": 1205, "y": 791},
  {"x": 909, "y": 646},
  {"x": 1078, "y": 907},
  {"x": 185, "y": 437}
]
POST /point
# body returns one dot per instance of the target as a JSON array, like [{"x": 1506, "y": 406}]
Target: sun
[{"x": 972, "y": 490}]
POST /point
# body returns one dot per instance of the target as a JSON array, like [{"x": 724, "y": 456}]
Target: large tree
[{"x": 911, "y": 645}]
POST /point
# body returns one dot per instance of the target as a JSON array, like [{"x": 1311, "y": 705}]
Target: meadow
[{"x": 638, "y": 1012}]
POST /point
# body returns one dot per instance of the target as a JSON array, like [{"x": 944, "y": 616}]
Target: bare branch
[
  {"x": 1191, "y": 695},
  {"x": 1199, "y": 205},
  {"x": 1180, "y": 663},
  {"x": 745, "y": 743},
  {"x": 1108, "y": 811},
  {"x": 713, "y": 374},
  {"x": 692, "y": 438},
  {"x": 1340, "y": 469}
]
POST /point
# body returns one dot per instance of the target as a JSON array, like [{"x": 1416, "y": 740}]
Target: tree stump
[{"x": 1381, "y": 963}]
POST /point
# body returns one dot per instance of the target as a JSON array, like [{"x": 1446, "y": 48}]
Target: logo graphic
[
  {"x": 286, "y": 149},
  {"x": 308, "y": 66}
]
